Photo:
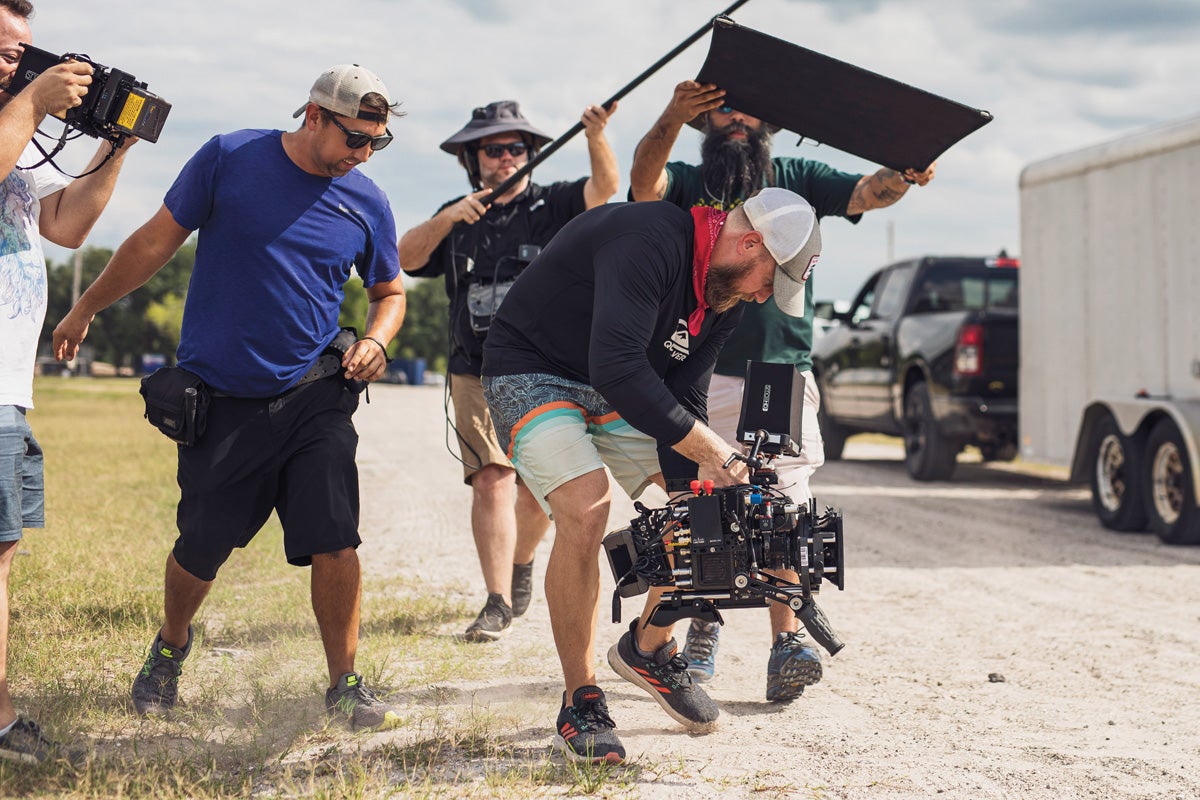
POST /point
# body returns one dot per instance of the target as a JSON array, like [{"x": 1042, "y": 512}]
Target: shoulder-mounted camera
[{"x": 116, "y": 104}]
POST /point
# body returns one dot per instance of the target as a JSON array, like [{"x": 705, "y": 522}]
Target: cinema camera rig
[
  {"x": 715, "y": 545},
  {"x": 116, "y": 105}
]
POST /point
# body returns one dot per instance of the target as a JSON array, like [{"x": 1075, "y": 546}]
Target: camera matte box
[{"x": 772, "y": 399}]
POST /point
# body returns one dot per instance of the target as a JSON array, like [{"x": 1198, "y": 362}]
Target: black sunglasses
[
  {"x": 497, "y": 150},
  {"x": 356, "y": 139}
]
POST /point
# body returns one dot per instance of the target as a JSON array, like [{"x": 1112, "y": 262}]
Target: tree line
[{"x": 147, "y": 321}]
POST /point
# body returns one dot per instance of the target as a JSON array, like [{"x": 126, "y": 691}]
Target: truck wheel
[
  {"x": 928, "y": 455},
  {"x": 832, "y": 435},
  {"x": 1116, "y": 498},
  {"x": 1170, "y": 495}
]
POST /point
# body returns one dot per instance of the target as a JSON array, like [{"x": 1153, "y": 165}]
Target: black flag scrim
[{"x": 832, "y": 102}]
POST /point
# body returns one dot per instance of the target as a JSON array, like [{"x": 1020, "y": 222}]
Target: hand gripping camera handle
[{"x": 817, "y": 625}]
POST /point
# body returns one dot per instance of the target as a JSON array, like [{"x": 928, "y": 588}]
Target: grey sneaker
[
  {"x": 665, "y": 676},
  {"x": 700, "y": 649},
  {"x": 792, "y": 666},
  {"x": 493, "y": 621},
  {"x": 25, "y": 743},
  {"x": 358, "y": 705},
  {"x": 156, "y": 687},
  {"x": 585, "y": 730},
  {"x": 522, "y": 588}
]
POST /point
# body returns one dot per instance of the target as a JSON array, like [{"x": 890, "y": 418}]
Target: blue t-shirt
[{"x": 276, "y": 246}]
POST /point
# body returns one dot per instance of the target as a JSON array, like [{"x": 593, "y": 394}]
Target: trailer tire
[
  {"x": 928, "y": 454},
  {"x": 1116, "y": 477},
  {"x": 1168, "y": 486}
]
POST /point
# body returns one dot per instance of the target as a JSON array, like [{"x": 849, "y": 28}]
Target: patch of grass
[{"x": 87, "y": 599}]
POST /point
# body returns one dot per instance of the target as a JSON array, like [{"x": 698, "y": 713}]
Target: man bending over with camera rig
[
  {"x": 37, "y": 201},
  {"x": 283, "y": 216},
  {"x": 601, "y": 355}
]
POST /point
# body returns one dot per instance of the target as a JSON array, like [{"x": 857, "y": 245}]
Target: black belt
[{"x": 326, "y": 365}]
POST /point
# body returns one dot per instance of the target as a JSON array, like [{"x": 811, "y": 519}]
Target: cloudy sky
[{"x": 1056, "y": 75}]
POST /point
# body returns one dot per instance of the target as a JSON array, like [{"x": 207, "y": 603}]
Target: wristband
[{"x": 381, "y": 347}]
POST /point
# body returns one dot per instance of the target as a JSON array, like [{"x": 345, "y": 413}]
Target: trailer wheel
[
  {"x": 928, "y": 454},
  {"x": 833, "y": 436},
  {"x": 1169, "y": 490},
  {"x": 1116, "y": 495}
]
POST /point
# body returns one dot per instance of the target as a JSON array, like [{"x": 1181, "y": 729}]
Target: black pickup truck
[{"x": 927, "y": 351}]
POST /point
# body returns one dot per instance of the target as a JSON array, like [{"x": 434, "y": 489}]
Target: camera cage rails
[{"x": 714, "y": 545}]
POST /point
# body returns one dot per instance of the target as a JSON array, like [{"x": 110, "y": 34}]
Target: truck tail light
[{"x": 968, "y": 352}]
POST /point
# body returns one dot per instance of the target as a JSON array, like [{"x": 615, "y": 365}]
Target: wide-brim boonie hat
[{"x": 502, "y": 116}]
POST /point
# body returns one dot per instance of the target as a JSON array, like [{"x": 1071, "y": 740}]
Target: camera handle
[
  {"x": 803, "y": 606},
  {"x": 818, "y": 627}
]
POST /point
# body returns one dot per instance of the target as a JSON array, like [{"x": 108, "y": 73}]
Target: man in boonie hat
[{"x": 480, "y": 250}]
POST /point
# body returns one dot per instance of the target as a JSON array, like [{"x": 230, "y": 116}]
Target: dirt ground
[{"x": 1000, "y": 643}]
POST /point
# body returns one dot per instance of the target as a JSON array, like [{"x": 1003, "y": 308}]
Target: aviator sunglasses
[
  {"x": 497, "y": 150},
  {"x": 356, "y": 139}
]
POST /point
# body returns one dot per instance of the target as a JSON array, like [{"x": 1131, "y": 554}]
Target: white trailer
[{"x": 1110, "y": 330}]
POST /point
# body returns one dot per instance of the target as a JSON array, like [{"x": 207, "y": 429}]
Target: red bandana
[{"x": 708, "y": 223}]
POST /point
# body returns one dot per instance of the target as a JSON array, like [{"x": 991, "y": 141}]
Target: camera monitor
[{"x": 771, "y": 401}]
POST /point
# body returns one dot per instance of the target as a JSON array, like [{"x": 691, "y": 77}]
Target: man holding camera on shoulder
[
  {"x": 283, "y": 218},
  {"x": 35, "y": 201},
  {"x": 480, "y": 250},
  {"x": 601, "y": 356}
]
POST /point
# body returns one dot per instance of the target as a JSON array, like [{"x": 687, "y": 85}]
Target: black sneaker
[
  {"x": 493, "y": 621},
  {"x": 522, "y": 588},
  {"x": 25, "y": 743},
  {"x": 358, "y": 705},
  {"x": 156, "y": 687},
  {"x": 664, "y": 674},
  {"x": 792, "y": 666},
  {"x": 585, "y": 730}
]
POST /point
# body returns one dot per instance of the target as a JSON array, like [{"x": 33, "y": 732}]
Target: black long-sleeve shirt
[{"x": 606, "y": 304}]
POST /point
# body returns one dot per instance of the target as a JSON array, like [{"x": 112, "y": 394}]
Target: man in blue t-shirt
[
  {"x": 736, "y": 162},
  {"x": 283, "y": 218}
]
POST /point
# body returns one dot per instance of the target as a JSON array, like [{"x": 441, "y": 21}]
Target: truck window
[
  {"x": 862, "y": 304},
  {"x": 890, "y": 297},
  {"x": 963, "y": 288}
]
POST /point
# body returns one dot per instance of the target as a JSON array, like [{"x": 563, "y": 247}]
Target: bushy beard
[
  {"x": 719, "y": 291},
  {"x": 734, "y": 169}
]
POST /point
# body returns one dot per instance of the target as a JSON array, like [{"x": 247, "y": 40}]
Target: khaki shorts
[{"x": 477, "y": 442}]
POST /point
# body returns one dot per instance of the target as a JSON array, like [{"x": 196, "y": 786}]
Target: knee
[{"x": 493, "y": 481}]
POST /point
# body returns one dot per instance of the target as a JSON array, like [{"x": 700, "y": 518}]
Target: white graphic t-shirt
[{"x": 22, "y": 274}]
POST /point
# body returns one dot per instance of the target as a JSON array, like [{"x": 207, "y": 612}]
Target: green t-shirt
[{"x": 766, "y": 333}]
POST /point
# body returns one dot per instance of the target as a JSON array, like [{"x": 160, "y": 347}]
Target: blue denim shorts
[
  {"x": 556, "y": 430},
  {"x": 22, "y": 487}
]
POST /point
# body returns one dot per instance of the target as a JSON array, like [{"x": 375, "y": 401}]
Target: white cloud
[{"x": 1055, "y": 74}]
